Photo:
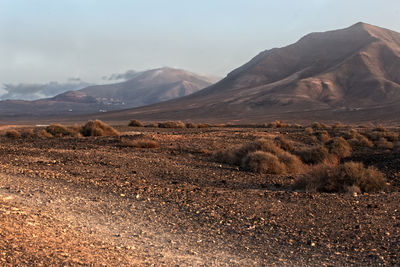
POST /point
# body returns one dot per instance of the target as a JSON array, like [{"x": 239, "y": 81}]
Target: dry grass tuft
[
  {"x": 323, "y": 136},
  {"x": 27, "y": 133},
  {"x": 135, "y": 123},
  {"x": 318, "y": 125},
  {"x": 58, "y": 130},
  {"x": 291, "y": 162},
  {"x": 203, "y": 125},
  {"x": 314, "y": 155},
  {"x": 263, "y": 162},
  {"x": 309, "y": 130},
  {"x": 346, "y": 177},
  {"x": 284, "y": 143},
  {"x": 44, "y": 134},
  {"x": 262, "y": 156},
  {"x": 340, "y": 147},
  {"x": 360, "y": 141},
  {"x": 98, "y": 128},
  {"x": 171, "y": 124},
  {"x": 191, "y": 125},
  {"x": 276, "y": 124},
  {"x": 13, "y": 134},
  {"x": 384, "y": 143}
]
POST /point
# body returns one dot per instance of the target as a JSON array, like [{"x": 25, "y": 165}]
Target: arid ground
[{"x": 95, "y": 201}]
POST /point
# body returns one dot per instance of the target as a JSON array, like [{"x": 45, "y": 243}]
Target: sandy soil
[{"x": 90, "y": 201}]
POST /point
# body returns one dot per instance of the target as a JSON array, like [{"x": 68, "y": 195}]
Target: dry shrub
[
  {"x": 292, "y": 163},
  {"x": 171, "y": 124},
  {"x": 360, "y": 141},
  {"x": 151, "y": 125},
  {"x": 27, "y": 133},
  {"x": 314, "y": 155},
  {"x": 390, "y": 136},
  {"x": 318, "y": 125},
  {"x": 135, "y": 123},
  {"x": 339, "y": 147},
  {"x": 343, "y": 178},
  {"x": 284, "y": 143},
  {"x": 276, "y": 124},
  {"x": 261, "y": 156},
  {"x": 203, "y": 125},
  {"x": 309, "y": 130},
  {"x": 190, "y": 125},
  {"x": 338, "y": 125},
  {"x": 380, "y": 129},
  {"x": 323, "y": 136},
  {"x": 235, "y": 155},
  {"x": 263, "y": 162},
  {"x": 59, "y": 130},
  {"x": 98, "y": 128},
  {"x": 44, "y": 134},
  {"x": 141, "y": 143},
  {"x": 384, "y": 143},
  {"x": 13, "y": 134},
  {"x": 297, "y": 126}
]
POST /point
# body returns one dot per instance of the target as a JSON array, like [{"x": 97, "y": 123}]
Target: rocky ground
[{"x": 93, "y": 201}]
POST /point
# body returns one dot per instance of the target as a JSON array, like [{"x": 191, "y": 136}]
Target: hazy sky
[{"x": 48, "y": 40}]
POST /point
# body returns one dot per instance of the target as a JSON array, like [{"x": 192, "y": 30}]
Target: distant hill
[
  {"x": 143, "y": 88},
  {"x": 351, "y": 74}
]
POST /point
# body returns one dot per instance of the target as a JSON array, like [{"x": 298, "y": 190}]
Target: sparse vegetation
[
  {"x": 44, "y": 134},
  {"x": 98, "y": 128},
  {"x": 343, "y": 178},
  {"x": 360, "y": 141},
  {"x": 262, "y": 156},
  {"x": 276, "y": 124},
  {"x": 135, "y": 123},
  {"x": 284, "y": 143},
  {"x": 171, "y": 124},
  {"x": 309, "y": 130},
  {"x": 191, "y": 125},
  {"x": 27, "y": 133},
  {"x": 263, "y": 162},
  {"x": 384, "y": 143},
  {"x": 323, "y": 136},
  {"x": 340, "y": 147},
  {"x": 314, "y": 155},
  {"x": 58, "y": 130},
  {"x": 203, "y": 125},
  {"x": 319, "y": 126},
  {"x": 13, "y": 134}
]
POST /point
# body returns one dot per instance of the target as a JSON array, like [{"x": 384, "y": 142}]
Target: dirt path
[{"x": 123, "y": 225}]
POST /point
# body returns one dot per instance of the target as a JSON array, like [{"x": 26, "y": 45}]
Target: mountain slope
[
  {"x": 336, "y": 72},
  {"x": 144, "y": 88}
]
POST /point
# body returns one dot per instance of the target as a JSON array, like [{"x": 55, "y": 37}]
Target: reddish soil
[{"x": 91, "y": 201}]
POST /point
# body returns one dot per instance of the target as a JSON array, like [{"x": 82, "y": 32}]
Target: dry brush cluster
[{"x": 91, "y": 128}]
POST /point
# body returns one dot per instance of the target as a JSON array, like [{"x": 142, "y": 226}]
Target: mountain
[
  {"x": 350, "y": 74},
  {"x": 143, "y": 88}
]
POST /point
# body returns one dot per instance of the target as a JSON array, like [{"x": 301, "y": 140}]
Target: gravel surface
[{"x": 92, "y": 201}]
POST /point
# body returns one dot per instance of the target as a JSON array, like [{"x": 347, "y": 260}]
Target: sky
[{"x": 43, "y": 41}]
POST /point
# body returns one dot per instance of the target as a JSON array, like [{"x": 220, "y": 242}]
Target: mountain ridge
[{"x": 350, "y": 69}]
